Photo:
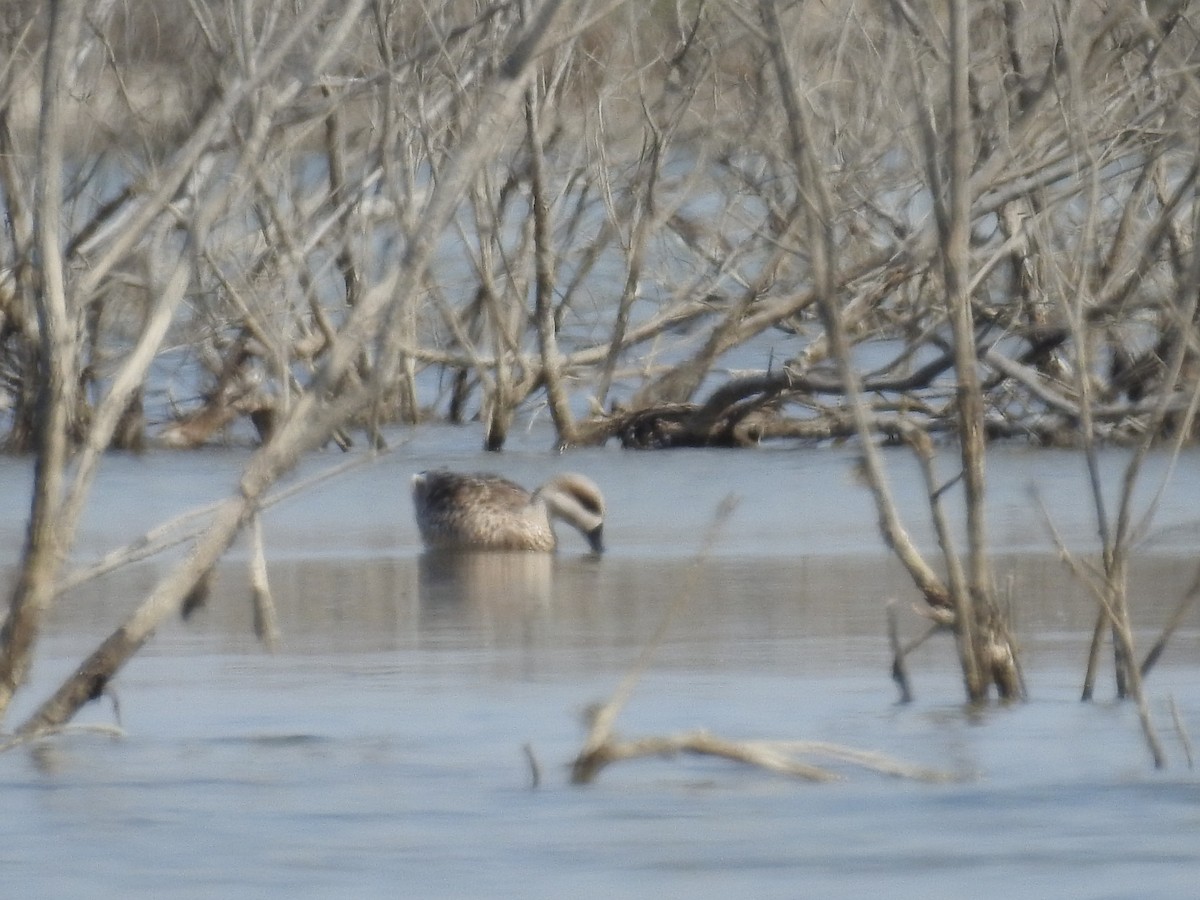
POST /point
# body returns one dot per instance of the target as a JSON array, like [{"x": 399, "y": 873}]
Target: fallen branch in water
[
  {"x": 781, "y": 757},
  {"x": 755, "y": 753},
  {"x": 604, "y": 716},
  {"x": 603, "y": 746}
]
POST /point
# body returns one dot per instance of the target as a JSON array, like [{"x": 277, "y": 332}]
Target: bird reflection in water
[{"x": 456, "y": 578}]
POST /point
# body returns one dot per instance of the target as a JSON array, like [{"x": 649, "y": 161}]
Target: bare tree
[{"x": 335, "y": 395}]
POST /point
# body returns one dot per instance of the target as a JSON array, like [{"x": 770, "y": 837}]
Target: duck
[{"x": 482, "y": 511}]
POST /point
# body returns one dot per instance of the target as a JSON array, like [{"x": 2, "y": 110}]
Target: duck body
[{"x": 480, "y": 511}]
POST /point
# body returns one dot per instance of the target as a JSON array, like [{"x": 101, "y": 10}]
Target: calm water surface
[{"x": 380, "y": 752}]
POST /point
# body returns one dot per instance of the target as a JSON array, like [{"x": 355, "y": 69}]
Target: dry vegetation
[
  {"x": 633, "y": 252},
  {"x": 699, "y": 222}
]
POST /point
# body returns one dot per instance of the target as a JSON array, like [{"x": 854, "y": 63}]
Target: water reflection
[
  {"x": 386, "y": 737},
  {"x": 382, "y": 745},
  {"x": 499, "y": 581},
  {"x": 525, "y": 610},
  {"x": 483, "y": 599},
  {"x": 577, "y": 610}
]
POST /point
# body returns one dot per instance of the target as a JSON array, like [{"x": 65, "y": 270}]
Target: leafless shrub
[{"x": 630, "y": 256}]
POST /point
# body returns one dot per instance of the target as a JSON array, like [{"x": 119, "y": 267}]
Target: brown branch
[
  {"x": 1186, "y": 602},
  {"x": 612, "y": 750},
  {"x": 780, "y": 757},
  {"x": 556, "y": 394}
]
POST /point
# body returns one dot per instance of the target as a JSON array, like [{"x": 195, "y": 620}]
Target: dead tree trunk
[
  {"x": 42, "y": 554},
  {"x": 985, "y": 645},
  {"x": 973, "y": 621}
]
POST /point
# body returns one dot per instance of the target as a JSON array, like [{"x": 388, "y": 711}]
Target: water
[{"x": 383, "y": 749}]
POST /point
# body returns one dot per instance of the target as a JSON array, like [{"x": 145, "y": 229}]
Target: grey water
[{"x": 389, "y": 747}]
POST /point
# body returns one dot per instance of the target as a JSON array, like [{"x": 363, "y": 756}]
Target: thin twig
[
  {"x": 535, "y": 770},
  {"x": 188, "y": 525},
  {"x": 899, "y": 665},
  {"x": 1181, "y": 730},
  {"x": 1186, "y": 602}
]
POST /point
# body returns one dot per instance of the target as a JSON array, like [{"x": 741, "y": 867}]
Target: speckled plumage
[{"x": 478, "y": 511}]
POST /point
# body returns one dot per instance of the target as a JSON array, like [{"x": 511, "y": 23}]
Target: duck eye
[{"x": 588, "y": 502}]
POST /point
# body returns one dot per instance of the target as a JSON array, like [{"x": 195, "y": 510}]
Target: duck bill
[{"x": 596, "y": 539}]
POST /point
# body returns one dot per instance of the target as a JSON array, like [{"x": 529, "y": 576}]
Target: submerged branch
[{"x": 779, "y": 757}]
